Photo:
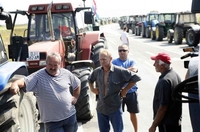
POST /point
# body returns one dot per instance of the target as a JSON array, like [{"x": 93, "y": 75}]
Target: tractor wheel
[
  {"x": 178, "y": 35},
  {"x": 95, "y": 53},
  {"x": 153, "y": 37},
  {"x": 191, "y": 38},
  {"x": 18, "y": 113},
  {"x": 159, "y": 33},
  {"x": 136, "y": 31},
  {"x": 133, "y": 29},
  {"x": 143, "y": 31},
  {"x": 169, "y": 37},
  {"x": 86, "y": 104},
  {"x": 148, "y": 33}
]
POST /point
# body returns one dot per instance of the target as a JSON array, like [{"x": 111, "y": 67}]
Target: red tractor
[{"x": 67, "y": 28}]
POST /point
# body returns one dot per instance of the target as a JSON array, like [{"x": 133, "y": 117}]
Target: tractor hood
[{"x": 45, "y": 46}]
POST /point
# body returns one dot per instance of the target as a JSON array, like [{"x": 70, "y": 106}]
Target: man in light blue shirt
[{"x": 131, "y": 98}]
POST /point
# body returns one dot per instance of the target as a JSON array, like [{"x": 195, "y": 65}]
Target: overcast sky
[{"x": 114, "y": 7}]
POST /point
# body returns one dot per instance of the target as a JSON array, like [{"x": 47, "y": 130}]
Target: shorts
[{"x": 131, "y": 102}]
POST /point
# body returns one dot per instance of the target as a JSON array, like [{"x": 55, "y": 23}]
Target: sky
[{"x": 116, "y": 8}]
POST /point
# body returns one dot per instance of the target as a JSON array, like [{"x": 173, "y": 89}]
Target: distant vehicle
[
  {"x": 166, "y": 22},
  {"x": 186, "y": 26},
  {"x": 148, "y": 26},
  {"x": 138, "y": 25}
]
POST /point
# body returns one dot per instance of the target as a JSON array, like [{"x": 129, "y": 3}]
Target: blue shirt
[{"x": 126, "y": 64}]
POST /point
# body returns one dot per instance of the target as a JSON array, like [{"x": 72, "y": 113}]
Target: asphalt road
[{"x": 141, "y": 49}]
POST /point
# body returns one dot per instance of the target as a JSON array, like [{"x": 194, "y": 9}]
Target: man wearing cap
[{"x": 167, "y": 112}]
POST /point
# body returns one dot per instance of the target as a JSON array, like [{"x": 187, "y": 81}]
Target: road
[{"x": 141, "y": 49}]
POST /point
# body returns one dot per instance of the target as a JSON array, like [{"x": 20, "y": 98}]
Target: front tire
[{"x": 18, "y": 113}]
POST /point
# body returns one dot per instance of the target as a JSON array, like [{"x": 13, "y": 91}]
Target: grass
[{"x": 5, "y": 34}]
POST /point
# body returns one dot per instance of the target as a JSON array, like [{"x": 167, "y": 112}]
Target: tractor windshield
[
  {"x": 188, "y": 18},
  {"x": 63, "y": 25}
]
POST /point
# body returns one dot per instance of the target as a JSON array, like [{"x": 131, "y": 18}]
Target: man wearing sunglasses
[{"x": 130, "y": 100}]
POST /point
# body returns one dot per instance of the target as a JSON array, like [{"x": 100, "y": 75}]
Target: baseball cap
[{"x": 163, "y": 57}]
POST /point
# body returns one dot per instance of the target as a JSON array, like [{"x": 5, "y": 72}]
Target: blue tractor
[
  {"x": 149, "y": 26},
  {"x": 16, "y": 111}
]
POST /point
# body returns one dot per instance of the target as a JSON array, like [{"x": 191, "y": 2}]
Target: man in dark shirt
[
  {"x": 111, "y": 80},
  {"x": 167, "y": 112}
]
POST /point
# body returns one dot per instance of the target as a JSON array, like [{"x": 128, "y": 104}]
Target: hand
[
  {"x": 96, "y": 91},
  {"x": 14, "y": 90},
  {"x": 152, "y": 129},
  {"x": 74, "y": 100},
  {"x": 123, "y": 93}
]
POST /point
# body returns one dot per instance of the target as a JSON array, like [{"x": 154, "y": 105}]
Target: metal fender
[
  {"x": 195, "y": 28},
  {"x": 87, "y": 40},
  {"x": 171, "y": 32},
  {"x": 9, "y": 69},
  {"x": 154, "y": 23}
]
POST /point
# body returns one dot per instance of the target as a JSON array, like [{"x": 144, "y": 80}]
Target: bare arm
[
  {"x": 76, "y": 94},
  {"x": 159, "y": 116},
  {"x": 94, "y": 90},
  {"x": 124, "y": 91},
  {"x": 133, "y": 69},
  {"x": 16, "y": 85}
]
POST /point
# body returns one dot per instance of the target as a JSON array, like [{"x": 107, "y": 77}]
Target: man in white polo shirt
[{"x": 124, "y": 36}]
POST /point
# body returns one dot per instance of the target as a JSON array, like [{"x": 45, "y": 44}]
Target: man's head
[
  {"x": 162, "y": 62},
  {"x": 105, "y": 58},
  {"x": 125, "y": 28},
  {"x": 53, "y": 63},
  {"x": 123, "y": 51}
]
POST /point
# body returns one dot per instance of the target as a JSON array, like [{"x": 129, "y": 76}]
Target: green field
[{"x": 5, "y": 34}]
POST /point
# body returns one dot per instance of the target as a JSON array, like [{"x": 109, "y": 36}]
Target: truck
[
  {"x": 138, "y": 25},
  {"x": 51, "y": 28}
]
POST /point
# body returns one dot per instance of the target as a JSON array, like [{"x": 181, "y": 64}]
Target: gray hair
[
  {"x": 165, "y": 64},
  {"x": 54, "y": 54}
]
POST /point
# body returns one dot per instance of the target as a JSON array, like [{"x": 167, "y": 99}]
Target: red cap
[{"x": 163, "y": 57}]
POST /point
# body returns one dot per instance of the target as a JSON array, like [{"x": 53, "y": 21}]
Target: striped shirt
[{"x": 53, "y": 93}]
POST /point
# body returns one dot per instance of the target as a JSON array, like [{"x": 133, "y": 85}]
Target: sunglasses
[{"x": 122, "y": 50}]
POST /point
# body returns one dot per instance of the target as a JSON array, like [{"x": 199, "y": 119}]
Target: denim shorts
[
  {"x": 131, "y": 102},
  {"x": 67, "y": 125}
]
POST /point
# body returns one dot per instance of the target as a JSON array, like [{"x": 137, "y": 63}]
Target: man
[
  {"x": 167, "y": 112},
  {"x": 131, "y": 98},
  {"x": 194, "y": 108},
  {"x": 110, "y": 91},
  {"x": 124, "y": 36},
  {"x": 51, "y": 86}
]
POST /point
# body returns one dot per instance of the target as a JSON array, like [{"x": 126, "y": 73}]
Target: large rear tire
[
  {"x": 18, "y": 113},
  {"x": 178, "y": 35},
  {"x": 95, "y": 53},
  {"x": 85, "y": 106},
  {"x": 191, "y": 38},
  {"x": 159, "y": 33}
]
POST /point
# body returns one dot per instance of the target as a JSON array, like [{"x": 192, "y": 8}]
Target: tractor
[
  {"x": 148, "y": 26},
  {"x": 52, "y": 28},
  {"x": 16, "y": 111},
  {"x": 186, "y": 26},
  {"x": 138, "y": 25},
  {"x": 166, "y": 22},
  {"x": 130, "y": 24}
]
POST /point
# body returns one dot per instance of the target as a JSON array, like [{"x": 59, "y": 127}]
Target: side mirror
[
  {"x": 9, "y": 23},
  {"x": 88, "y": 17}
]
